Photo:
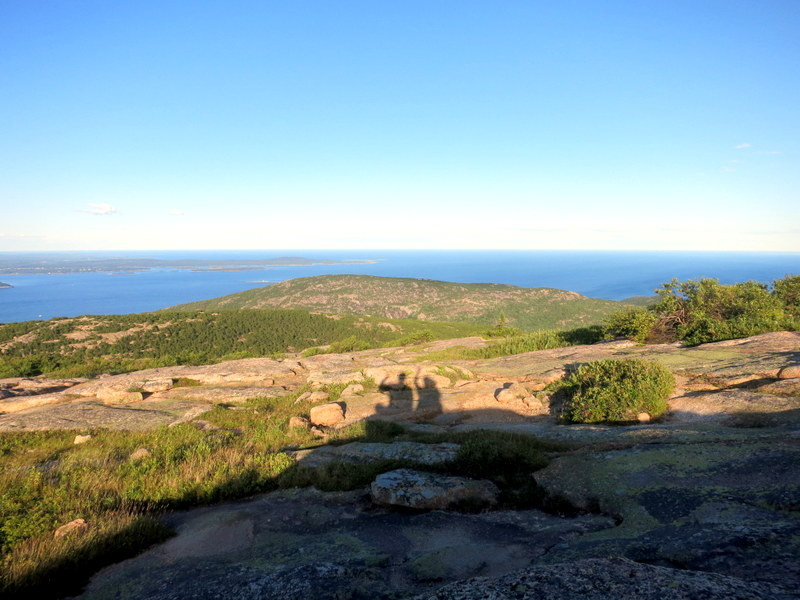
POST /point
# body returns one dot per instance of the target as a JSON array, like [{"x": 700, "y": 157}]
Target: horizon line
[{"x": 54, "y": 251}]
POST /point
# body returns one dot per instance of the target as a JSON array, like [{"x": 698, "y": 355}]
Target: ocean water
[{"x": 600, "y": 274}]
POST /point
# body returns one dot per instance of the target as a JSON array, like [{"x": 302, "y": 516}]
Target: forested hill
[
  {"x": 389, "y": 297},
  {"x": 78, "y": 346}
]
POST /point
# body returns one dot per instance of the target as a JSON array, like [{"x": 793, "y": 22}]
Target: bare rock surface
[
  {"x": 223, "y": 394},
  {"x": 90, "y": 414},
  {"x": 733, "y": 407},
  {"x": 30, "y": 386},
  {"x": 361, "y": 452},
  {"x": 745, "y": 370},
  {"x": 119, "y": 395},
  {"x": 304, "y": 544},
  {"x": 790, "y": 372},
  {"x": 712, "y": 505},
  {"x": 16, "y": 404},
  {"x": 606, "y": 579},
  {"x": 426, "y": 491}
]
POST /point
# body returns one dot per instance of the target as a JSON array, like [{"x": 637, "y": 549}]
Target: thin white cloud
[
  {"x": 729, "y": 170},
  {"x": 176, "y": 212},
  {"x": 19, "y": 236},
  {"x": 99, "y": 209},
  {"x": 741, "y": 146}
]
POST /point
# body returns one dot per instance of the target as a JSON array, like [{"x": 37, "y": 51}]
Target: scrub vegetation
[
  {"x": 83, "y": 346},
  {"x": 615, "y": 391},
  {"x": 520, "y": 342},
  {"x": 697, "y": 312}
]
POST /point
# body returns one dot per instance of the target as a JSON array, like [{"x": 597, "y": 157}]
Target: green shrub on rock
[
  {"x": 632, "y": 323},
  {"x": 787, "y": 290},
  {"x": 616, "y": 391}
]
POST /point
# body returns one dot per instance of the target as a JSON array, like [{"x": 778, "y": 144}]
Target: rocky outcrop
[
  {"x": 428, "y": 491},
  {"x": 732, "y": 498},
  {"x": 300, "y": 544},
  {"x": 733, "y": 383},
  {"x": 790, "y": 372},
  {"x": 313, "y": 397},
  {"x": 511, "y": 392},
  {"x": 361, "y": 452},
  {"x": 606, "y": 579},
  {"x": 28, "y": 386},
  {"x": 119, "y": 395}
]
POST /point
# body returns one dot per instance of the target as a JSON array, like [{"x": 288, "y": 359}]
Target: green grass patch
[
  {"x": 518, "y": 344},
  {"x": 185, "y": 382},
  {"x": 454, "y": 374}
]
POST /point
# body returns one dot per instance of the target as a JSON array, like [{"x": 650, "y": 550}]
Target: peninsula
[
  {"x": 5, "y": 285},
  {"x": 41, "y": 264}
]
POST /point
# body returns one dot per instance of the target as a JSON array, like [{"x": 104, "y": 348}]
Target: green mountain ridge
[
  {"x": 529, "y": 309},
  {"x": 79, "y": 346}
]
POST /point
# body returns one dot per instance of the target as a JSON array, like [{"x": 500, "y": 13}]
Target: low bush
[
  {"x": 702, "y": 311},
  {"x": 417, "y": 337},
  {"x": 349, "y": 344},
  {"x": 616, "y": 391},
  {"x": 632, "y": 323}
]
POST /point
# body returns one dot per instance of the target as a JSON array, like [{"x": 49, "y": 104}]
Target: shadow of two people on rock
[{"x": 420, "y": 396}]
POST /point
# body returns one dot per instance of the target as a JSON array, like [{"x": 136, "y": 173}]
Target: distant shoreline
[
  {"x": 56, "y": 266},
  {"x": 605, "y": 275}
]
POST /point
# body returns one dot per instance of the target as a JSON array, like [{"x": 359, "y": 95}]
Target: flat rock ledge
[
  {"x": 361, "y": 452},
  {"x": 606, "y": 579},
  {"x": 429, "y": 491}
]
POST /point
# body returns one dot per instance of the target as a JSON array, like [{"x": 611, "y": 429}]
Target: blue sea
[{"x": 600, "y": 274}]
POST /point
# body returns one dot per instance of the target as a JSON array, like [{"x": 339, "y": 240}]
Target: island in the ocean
[
  {"x": 77, "y": 263},
  {"x": 5, "y": 285}
]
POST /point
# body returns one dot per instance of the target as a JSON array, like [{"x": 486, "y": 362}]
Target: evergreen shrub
[
  {"x": 632, "y": 323},
  {"x": 616, "y": 391}
]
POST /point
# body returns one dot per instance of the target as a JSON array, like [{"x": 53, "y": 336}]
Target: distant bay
[{"x": 612, "y": 275}]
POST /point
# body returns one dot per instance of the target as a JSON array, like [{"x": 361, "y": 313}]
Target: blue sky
[{"x": 436, "y": 124}]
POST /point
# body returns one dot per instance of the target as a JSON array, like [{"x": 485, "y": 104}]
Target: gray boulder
[{"x": 427, "y": 491}]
